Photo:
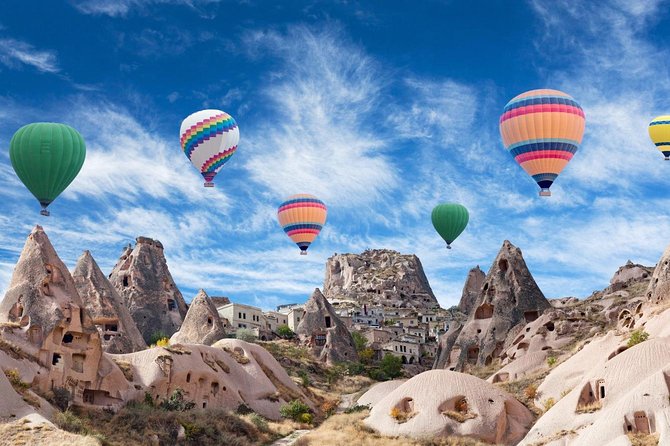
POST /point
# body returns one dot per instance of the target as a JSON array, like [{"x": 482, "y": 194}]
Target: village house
[{"x": 242, "y": 316}]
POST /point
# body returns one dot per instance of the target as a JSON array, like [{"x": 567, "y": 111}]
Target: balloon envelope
[
  {"x": 46, "y": 157},
  {"x": 659, "y": 132},
  {"x": 542, "y": 130},
  {"x": 209, "y": 138},
  {"x": 449, "y": 220},
  {"x": 302, "y": 216}
]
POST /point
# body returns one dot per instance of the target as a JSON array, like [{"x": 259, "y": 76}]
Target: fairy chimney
[
  {"x": 142, "y": 278},
  {"x": 473, "y": 284},
  {"x": 508, "y": 299},
  {"x": 202, "y": 324},
  {"x": 324, "y": 332},
  {"x": 658, "y": 290},
  {"x": 111, "y": 317}
]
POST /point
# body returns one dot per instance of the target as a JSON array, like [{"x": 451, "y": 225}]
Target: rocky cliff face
[
  {"x": 44, "y": 317},
  {"x": 659, "y": 287},
  {"x": 142, "y": 278},
  {"x": 202, "y": 324},
  {"x": 378, "y": 276},
  {"x": 109, "y": 314},
  {"x": 473, "y": 284},
  {"x": 508, "y": 298},
  {"x": 324, "y": 332}
]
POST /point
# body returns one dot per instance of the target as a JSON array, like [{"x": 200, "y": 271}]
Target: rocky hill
[{"x": 378, "y": 277}]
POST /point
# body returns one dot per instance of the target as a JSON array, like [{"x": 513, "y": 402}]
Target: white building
[{"x": 242, "y": 316}]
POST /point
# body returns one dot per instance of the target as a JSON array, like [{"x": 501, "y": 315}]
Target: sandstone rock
[
  {"x": 471, "y": 289},
  {"x": 630, "y": 272},
  {"x": 142, "y": 278},
  {"x": 440, "y": 403},
  {"x": 54, "y": 329},
  {"x": 324, "y": 333},
  {"x": 117, "y": 328},
  {"x": 659, "y": 287},
  {"x": 508, "y": 300},
  {"x": 202, "y": 324},
  {"x": 378, "y": 276}
]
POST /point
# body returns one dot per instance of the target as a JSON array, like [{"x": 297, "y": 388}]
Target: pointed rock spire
[
  {"x": 202, "y": 324},
  {"x": 659, "y": 288},
  {"x": 473, "y": 284},
  {"x": 116, "y": 327},
  {"x": 324, "y": 332},
  {"x": 142, "y": 278}
]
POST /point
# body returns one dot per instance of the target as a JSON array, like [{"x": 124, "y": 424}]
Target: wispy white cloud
[
  {"x": 120, "y": 8},
  {"x": 16, "y": 53}
]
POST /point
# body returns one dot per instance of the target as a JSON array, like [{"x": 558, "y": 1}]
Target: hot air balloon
[
  {"x": 302, "y": 216},
  {"x": 46, "y": 157},
  {"x": 209, "y": 138},
  {"x": 449, "y": 220},
  {"x": 659, "y": 132},
  {"x": 542, "y": 130}
]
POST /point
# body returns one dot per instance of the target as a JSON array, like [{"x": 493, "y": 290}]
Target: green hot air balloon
[
  {"x": 449, "y": 220},
  {"x": 46, "y": 157}
]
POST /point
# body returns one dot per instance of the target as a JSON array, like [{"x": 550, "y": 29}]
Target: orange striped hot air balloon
[
  {"x": 302, "y": 216},
  {"x": 542, "y": 130}
]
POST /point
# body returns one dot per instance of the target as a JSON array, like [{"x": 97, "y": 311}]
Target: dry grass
[
  {"x": 126, "y": 368},
  {"x": 643, "y": 439},
  {"x": 10, "y": 325},
  {"x": 223, "y": 366},
  {"x": 19, "y": 433},
  {"x": 240, "y": 358},
  {"x": 555, "y": 437},
  {"x": 530, "y": 391},
  {"x": 15, "y": 352},
  {"x": 459, "y": 416},
  {"x": 177, "y": 349},
  {"x": 348, "y": 429},
  {"x": 401, "y": 416},
  {"x": 589, "y": 408}
]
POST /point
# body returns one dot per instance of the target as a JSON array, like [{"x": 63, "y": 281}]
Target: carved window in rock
[
  {"x": 328, "y": 323},
  {"x": 530, "y": 316},
  {"x": 320, "y": 340},
  {"x": 78, "y": 362},
  {"x": 484, "y": 311},
  {"x": 112, "y": 326},
  {"x": 125, "y": 281},
  {"x": 55, "y": 359},
  {"x": 171, "y": 304}
]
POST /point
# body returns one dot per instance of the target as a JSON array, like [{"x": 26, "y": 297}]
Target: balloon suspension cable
[
  {"x": 209, "y": 184},
  {"x": 303, "y": 253},
  {"x": 545, "y": 192}
]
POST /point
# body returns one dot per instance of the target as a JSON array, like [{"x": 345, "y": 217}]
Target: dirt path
[{"x": 290, "y": 439}]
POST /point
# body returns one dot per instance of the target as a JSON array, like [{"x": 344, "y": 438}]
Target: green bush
[
  {"x": 244, "y": 334},
  {"x": 304, "y": 377},
  {"x": 176, "y": 402},
  {"x": 260, "y": 422},
  {"x": 637, "y": 337},
  {"x": 360, "y": 341},
  {"x": 356, "y": 408},
  {"x": 294, "y": 410},
  {"x": 61, "y": 397},
  {"x": 285, "y": 332},
  {"x": 391, "y": 366},
  {"x": 306, "y": 418},
  {"x": 551, "y": 360},
  {"x": 355, "y": 368},
  {"x": 157, "y": 336}
]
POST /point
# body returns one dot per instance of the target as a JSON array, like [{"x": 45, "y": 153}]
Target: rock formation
[
  {"x": 628, "y": 274},
  {"x": 117, "y": 329},
  {"x": 45, "y": 319},
  {"x": 143, "y": 279},
  {"x": 202, "y": 324},
  {"x": 378, "y": 276},
  {"x": 225, "y": 375},
  {"x": 659, "y": 287},
  {"x": 440, "y": 403},
  {"x": 473, "y": 284},
  {"x": 508, "y": 300},
  {"x": 324, "y": 332}
]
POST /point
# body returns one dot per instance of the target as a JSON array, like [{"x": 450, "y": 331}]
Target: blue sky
[{"x": 381, "y": 109}]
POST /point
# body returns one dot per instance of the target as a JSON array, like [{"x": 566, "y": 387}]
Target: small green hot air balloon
[
  {"x": 46, "y": 157},
  {"x": 449, "y": 219}
]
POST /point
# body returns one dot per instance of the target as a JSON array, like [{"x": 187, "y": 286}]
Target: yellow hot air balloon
[
  {"x": 302, "y": 216},
  {"x": 659, "y": 132}
]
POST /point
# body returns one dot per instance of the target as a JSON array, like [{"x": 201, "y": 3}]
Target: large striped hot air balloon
[
  {"x": 302, "y": 216},
  {"x": 46, "y": 157},
  {"x": 209, "y": 138},
  {"x": 542, "y": 130},
  {"x": 659, "y": 132}
]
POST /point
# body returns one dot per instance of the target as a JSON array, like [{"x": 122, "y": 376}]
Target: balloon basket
[
  {"x": 303, "y": 253},
  {"x": 545, "y": 193},
  {"x": 45, "y": 212},
  {"x": 209, "y": 184},
  {"x": 448, "y": 246},
  {"x": 667, "y": 158}
]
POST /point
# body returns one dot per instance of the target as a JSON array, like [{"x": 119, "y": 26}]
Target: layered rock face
[
  {"x": 324, "y": 332},
  {"x": 117, "y": 329},
  {"x": 473, "y": 284},
  {"x": 378, "y": 276},
  {"x": 47, "y": 320},
  {"x": 202, "y": 324},
  {"x": 508, "y": 300},
  {"x": 659, "y": 287},
  {"x": 143, "y": 279}
]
